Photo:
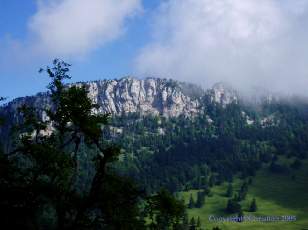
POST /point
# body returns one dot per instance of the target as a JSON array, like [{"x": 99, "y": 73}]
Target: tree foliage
[
  {"x": 229, "y": 192},
  {"x": 200, "y": 199},
  {"x": 165, "y": 212},
  {"x": 233, "y": 206},
  {"x": 191, "y": 203},
  {"x": 253, "y": 205}
]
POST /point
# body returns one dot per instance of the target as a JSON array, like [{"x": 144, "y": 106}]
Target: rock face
[
  {"x": 39, "y": 101},
  {"x": 152, "y": 96},
  {"x": 129, "y": 95},
  {"x": 223, "y": 94},
  {"x": 149, "y": 96}
]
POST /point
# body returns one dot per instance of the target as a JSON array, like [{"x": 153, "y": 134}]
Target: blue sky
[
  {"x": 111, "y": 60},
  {"x": 255, "y": 43}
]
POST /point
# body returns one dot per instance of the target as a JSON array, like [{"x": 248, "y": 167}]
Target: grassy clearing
[{"x": 276, "y": 195}]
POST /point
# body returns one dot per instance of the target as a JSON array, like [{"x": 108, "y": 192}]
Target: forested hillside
[
  {"x": 160, "y": 133},
  {"x": 191, "y": 153}
]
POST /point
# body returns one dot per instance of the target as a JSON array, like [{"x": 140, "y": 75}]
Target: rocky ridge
[{"x": 154, "y": 96}]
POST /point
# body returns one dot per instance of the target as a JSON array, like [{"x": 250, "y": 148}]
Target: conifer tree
[
  {"x": 240, "y": 216},
  {"x": 192, "y": 224},
  {"x": 229, "y": 192},
  {"x": 198, "y": 222},
  {"x": 216, "y": 228},
  {"x": 165, "y": 211},
  {"x": 253, "y": 205},
  {"x": 191, "y": 203},
  {"x": 200, "y": 199},
  {"x": 233, "y": 206}
]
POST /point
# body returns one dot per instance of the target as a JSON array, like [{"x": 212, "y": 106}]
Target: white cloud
[
  {"x": 75, "y": 27},
  {"x": 244, "y": 42}
]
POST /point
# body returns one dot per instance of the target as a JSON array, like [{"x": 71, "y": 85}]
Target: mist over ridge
[{"x": 249, "y": 44}]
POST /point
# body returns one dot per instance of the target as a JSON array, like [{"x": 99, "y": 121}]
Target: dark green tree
[
  {"x": 207, "y": 191},
  {"x": 229, "y": 192},
  {"x": 212, "y": 181},
  {"x": 240, "y": 216},
  {"x": 38, "y": 186},
  {"x": 185, "y": 221},
  {"x": 2, "y": 118},
  {"x": 216, "y": 228},
  {"x": 165, "y": 211},
  {"x": 191, "y": 203},
  {"x": 198, "y": 222},
  {"x": 233, "y": 206},
  {"x": 253, "y": 205},
  {"x": 192, "y": 224},
  {"x": 200, "y": 199},
  {"x": 243, "y": 191}
]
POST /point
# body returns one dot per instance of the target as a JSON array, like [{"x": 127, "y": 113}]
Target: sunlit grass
[{"x": 276, "y": 195}]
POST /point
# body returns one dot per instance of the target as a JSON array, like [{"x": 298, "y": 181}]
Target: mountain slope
[{"x": 179, "y": 136}]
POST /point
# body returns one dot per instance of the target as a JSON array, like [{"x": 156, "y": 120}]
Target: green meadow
[{"x": 276, "y": 195}]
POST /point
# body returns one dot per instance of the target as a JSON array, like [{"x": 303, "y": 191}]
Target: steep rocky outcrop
[
  {"x": 148, "y": 96},
  {"x": 152, "y": 96},
  {"x": 223, "y": 94}
]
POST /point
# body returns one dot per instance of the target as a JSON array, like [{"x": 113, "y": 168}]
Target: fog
[{"x": 249, "y": 44}]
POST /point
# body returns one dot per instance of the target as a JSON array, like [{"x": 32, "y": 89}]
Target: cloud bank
[
  {"x": 75, "y": 27},
  {"x": 72, "y": 28},
  {"x": 247, "y": 43}
]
